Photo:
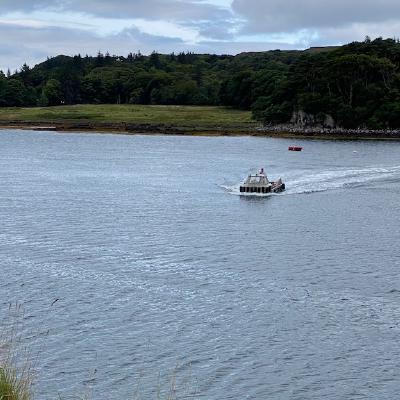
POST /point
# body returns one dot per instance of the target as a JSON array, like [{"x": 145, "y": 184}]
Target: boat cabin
[{"x": 259, "y": 183}]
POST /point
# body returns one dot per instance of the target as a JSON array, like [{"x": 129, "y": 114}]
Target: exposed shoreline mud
[{"x": 169, "y": 129}]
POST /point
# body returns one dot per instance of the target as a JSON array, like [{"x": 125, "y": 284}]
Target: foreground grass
[
  {"x": 14, "y": 384},
  {"x": 16, "y": 368},
  {"x": 189, "y": 116}
]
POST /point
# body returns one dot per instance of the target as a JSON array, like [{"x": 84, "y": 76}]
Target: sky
[{"x": 32, "y": 30}]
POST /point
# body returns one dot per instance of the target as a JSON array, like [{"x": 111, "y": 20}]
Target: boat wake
[{"x": 304, "y": 182}]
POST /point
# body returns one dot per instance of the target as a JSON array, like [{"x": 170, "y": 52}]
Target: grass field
[{"x": 189, "y": 116}]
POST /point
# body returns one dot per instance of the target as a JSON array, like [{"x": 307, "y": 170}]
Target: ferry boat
[{"x": 259, "y": 183}]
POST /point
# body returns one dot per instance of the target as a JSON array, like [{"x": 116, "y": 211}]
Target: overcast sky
[{"x": 31, "y": 30}]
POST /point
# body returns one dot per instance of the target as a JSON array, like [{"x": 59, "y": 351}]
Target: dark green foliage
[
  {"x": 14, "y": 93},
  {"x": 52, "y": 93},
  {"x": 357, "y": 85},
  {"x": 185, "y": 79}
]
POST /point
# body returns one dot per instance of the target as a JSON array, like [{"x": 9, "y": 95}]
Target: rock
[{"x": 302, "y": 119}]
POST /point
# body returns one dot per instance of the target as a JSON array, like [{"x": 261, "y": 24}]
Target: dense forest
[{"x": 356, "y": 85}]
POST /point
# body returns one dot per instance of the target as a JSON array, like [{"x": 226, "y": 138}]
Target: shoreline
[{"x": 170, "y": 129}]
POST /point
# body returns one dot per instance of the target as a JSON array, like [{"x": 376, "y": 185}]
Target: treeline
[
  {"x": 185, "y": 78},
  {"x": 351, "y": 86}
]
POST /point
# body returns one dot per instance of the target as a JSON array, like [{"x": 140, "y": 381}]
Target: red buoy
[{"x": 295, "y": 148}]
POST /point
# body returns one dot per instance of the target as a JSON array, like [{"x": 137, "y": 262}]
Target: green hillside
[{"x": 356, "y": 85}]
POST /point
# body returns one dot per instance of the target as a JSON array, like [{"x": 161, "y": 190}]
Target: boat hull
[{"x": 262, "y": 189}]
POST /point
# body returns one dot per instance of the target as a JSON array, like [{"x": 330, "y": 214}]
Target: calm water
[{"x": 161, "y": 268}]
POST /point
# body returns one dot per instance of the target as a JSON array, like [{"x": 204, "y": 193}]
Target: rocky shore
[{"x": 329, "y": 133}]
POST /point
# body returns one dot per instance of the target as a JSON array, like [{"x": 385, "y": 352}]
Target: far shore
[
  {"x": 161, "y": 129},
  {"x": 130, "y": 119}
]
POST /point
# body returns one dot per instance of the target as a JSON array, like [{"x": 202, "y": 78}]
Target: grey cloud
[
  {"x": 232, "y": 47},
  {"x": 270, "y": 16},
  {"x": 32, "y": 45},
  {"x": 355, "y": 31},
  {"x": 335, "y": 22},
  {"x": 166, "y": 9},
  {"x": 176, "y": 10},
  {"x": 25, "y": 5},
  {"x": 214, "y": 29},
  {"x": 209, "y": 20}
]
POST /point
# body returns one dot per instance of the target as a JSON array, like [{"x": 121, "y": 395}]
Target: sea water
[{"x": 140, "y": 269}]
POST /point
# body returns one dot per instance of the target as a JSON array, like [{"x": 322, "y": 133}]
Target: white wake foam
[{"x": 306, "y": 182}]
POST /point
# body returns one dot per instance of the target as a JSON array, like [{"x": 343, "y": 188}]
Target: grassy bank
[{"x": 121, "y": 116}]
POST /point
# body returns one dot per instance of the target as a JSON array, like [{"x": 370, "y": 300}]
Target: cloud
[
  {"x": 188, "y": 20},
  {"x": 216, "y": 30},
  {"x": 181, "y": 10},
  {"x": 235, "y": 47},
  {"x": 30, "y": 30},
  {"x": 271, "y": 16},
  {"x": 33, "y": 29},
  {"x": 176, "y": 10},
  {"x": 33, "y": 45},
  {"x": 25, "y": 5}
]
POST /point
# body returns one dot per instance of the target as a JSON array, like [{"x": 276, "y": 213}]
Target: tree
[
  {"x": 52, "y": 93},
  {"x": 14, "y": 93},
  {"x": 154, "y": 60}
]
